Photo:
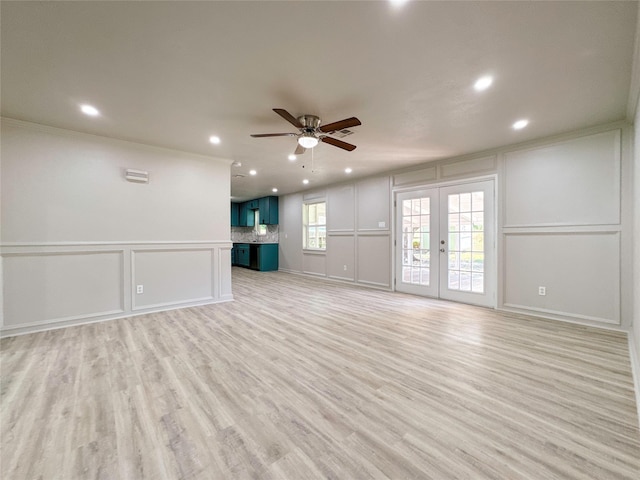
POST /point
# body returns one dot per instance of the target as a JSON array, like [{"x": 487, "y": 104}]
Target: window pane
[
  {"x": 424, "y": 276},
  {"x": 454, "y": 281},
  {"x": 477, "y": 219},
  {"x": 465, "y": 222},
  {"x": 465, "y": 281},
  {"x": 465, "y": 202},
  {"x": 314, "y": 227},
  {"x": 406, "y": 207},
  {"x": 454, "y": 203},
  {"x": 477, "y": 283},
  {"x": 478, "y": 201},
  {"x": 454, "y": 222},
  {"x": 477, "y": 259},
  {"x": 322, "y": 213}
]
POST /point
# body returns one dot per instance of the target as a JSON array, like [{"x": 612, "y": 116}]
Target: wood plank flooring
[{"x": 301, "y": 379}]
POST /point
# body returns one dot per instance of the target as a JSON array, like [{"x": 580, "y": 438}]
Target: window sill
[{"x": 313, "y": 251}]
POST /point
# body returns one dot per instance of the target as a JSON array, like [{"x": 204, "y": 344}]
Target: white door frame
[{"x": 493, "y": 269}]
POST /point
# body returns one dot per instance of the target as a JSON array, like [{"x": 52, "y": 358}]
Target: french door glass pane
[
  {"x": 466, "y": 242},
  {"x": 416, "y": 254}
]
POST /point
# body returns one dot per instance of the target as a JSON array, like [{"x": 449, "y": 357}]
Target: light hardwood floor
[{"x": 301, "y": 379}]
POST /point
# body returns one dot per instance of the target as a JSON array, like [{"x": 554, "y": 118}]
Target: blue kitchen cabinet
[
  {"x": 268, "y": 257},
  {"x": 235, "y": 214},
  {"x": 242, "y": 254},
  {"x": 246, "y": 215},
  {"x": 268, "y": 207}
]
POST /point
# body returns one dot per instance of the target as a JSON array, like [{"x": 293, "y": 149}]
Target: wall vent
[
  {"x": 138, "y": 176},
  {"x": 343, "y": 133}
]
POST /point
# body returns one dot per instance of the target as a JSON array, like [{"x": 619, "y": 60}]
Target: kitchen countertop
[{"x": 255, "y": 243}]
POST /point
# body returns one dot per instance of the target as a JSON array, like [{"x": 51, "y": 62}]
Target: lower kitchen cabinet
[
  {"x": 267, "y": 257},
  {"x": 257, "y": 256},
  {"x": 242, "y": 254}
]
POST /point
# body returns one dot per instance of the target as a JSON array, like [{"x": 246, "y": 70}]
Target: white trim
[
  {"x": 577, "y": 229},
  {"x": 373, "y": 232},
  {"x": 634, "y": 357},
  {"x": 374, "y": 284},
  {"x": 117, "y": 242},
  {"x": 353, "y": 283},
  {"x": 524, "y": 309},
  {"x": 15, "y": 330},
  {"x": 577, "y": 321},
  {"x": 127, "y": 301},
  {"x": 437, "y": 183},
  {"x": 163, "y": 306}
]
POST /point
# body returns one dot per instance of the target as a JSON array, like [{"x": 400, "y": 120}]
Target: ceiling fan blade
[
  {"x": 288, "y": 117},
  {"x": 346, "y": 123},
  {"x": 338, "y": 143},
  {"x": 260, "y": 135},
  {"x": 299, "y": 150}
]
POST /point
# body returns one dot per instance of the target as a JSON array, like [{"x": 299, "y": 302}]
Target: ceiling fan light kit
[
  {"x": 307, "y": 140},
  {"x": 311, "y": 132}
]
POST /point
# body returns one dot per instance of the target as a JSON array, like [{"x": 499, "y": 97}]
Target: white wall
[
  {"x": 561, "y": 228},
  {"x": 358, "y": 233},
  {"x": 564, "y": 222},
  {"x": 77, "y": 237}
]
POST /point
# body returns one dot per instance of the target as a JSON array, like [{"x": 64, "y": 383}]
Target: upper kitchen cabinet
[
  {"x": 246, "y": 215},
  {"x": 235, "y": 214},
  {"x": 268, "y": 207},
  {"x": 242, "y": 214}
]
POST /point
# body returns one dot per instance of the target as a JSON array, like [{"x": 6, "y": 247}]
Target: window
[
  {"x": 314, "y": 221},
  {"x": 259, "y": 229}
]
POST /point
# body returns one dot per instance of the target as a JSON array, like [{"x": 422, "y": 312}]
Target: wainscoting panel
[
  {"x": 314, "y": 263},
  {"x": 579, "y": 271},
  {"x": 62, "y": 286},
  {"x": 341, "y": 262},
  {"x": 171, "y": 277},
  {"x": 54, "y": 285},
  {"x": 224, "y": 274},
  {"x": 374, "y": 259},
  {"x": 575, "y": 182}
]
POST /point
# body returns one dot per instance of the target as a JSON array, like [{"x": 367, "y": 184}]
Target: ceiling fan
[{"x": 311, "y": 132}]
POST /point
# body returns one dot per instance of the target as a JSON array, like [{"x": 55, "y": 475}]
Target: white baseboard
[
  {"x": 15, "y": 330},
  {"x": 634, "y": 356}
]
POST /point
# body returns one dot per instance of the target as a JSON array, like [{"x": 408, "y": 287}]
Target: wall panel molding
[{"x": 31, "y": 284}]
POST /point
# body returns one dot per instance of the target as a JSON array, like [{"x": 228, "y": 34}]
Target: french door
[{"x": 445, "y": 242}]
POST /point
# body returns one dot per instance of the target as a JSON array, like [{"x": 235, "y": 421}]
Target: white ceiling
[{"x": 173, "y": 73}]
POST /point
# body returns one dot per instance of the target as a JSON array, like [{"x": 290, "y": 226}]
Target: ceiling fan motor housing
[{"x": 309, "y": 122}]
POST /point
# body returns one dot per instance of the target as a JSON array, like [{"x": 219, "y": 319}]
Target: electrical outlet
[
  {"x": 140, "y": 289},
  {"x": 382, "y": 224},
  {"x": 542, "y": 291},
  {"x": 345, "y": 268}
]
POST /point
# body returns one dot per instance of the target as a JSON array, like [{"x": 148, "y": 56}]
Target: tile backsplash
[{"x": 248, "y": 234}]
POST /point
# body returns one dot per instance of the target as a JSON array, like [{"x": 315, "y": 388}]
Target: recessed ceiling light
[
  {"x": 520, "y": 124},
  {"x": 483, "y": 83},
  {"x": 89, "y": 110},
  {"x": 214, "y": 139},
  {"x": 348, "y": 170},
  {"x": 292, "y": 157},
  {"x": 252, "y": 172},
  {"x": 305, "y": 181},
  {"x": 398, "y": 3},
  {"x": 274, "y": 190}
]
